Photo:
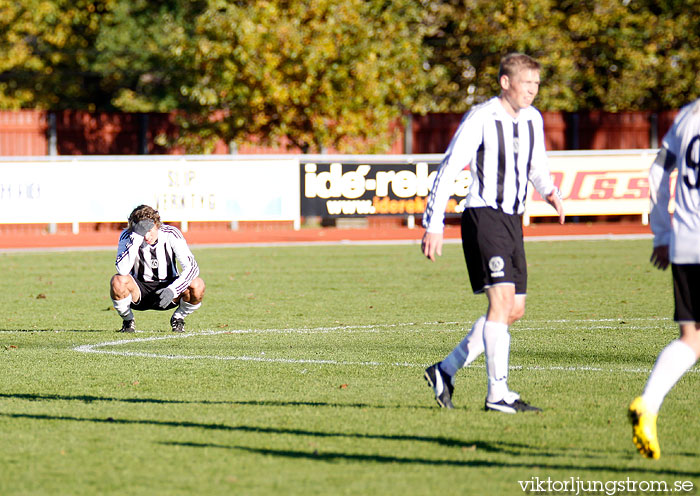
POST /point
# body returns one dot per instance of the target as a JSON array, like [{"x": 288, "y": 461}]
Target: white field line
[{"x": 99, "y": 347}]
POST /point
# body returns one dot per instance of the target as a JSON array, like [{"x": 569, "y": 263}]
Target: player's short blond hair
[
  {"x": 513, "y": 63},
  {"x": 144, "y": 212}
]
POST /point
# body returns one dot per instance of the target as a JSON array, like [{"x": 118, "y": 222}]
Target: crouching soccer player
[{"x": 147, "y": 276}]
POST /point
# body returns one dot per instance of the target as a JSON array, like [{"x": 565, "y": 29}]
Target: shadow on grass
[
  {"x": 443, "y": 441},
  {"x": 511, "y": 449},
  {"x": 480, "y": 445},
  {"x": 85, "y": 398}
]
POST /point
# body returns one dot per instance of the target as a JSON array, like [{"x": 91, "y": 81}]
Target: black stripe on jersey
[
  {"x": 171, "y": 266},
  {"x": 670, "y": 160},
  {"x": 516, "y": 150},
  {"x": 501, "y": 164},
  {"x": 140, "y": 273},
  {"x": 155, "y": 271},
  {"x": 531, "y": 131},
  {"x": 480, "y": 167}
]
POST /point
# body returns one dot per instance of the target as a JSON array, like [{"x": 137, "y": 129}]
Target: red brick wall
[
  {"x": 23, "y": 132},
  {"x": 84, "y": 133},
  {"x": 594, "y": 130}
]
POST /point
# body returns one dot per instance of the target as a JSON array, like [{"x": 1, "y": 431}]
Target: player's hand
[
  {"x": 166, "y": 297},
  {"x": 431, "y": 245},
  {"x": 554, "y": 199},
  {"x": 659, "y": 257},
  {"x": 143, "y": 227}
]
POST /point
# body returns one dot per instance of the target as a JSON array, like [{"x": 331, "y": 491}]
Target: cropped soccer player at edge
[
  {"x": 676, "y": 241},
  {"x": 502, "y": 140},
  {"x": 147, "y": 276}
]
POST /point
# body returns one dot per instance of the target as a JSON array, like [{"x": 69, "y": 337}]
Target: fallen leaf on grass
[
  {"x": 343, "y": 386},
  {"x": 41, "y": 296}
]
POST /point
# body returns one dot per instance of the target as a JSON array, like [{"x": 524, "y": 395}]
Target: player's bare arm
[
  {"x": 554, "y": 199},
  {"x": 432, "y": 245}
]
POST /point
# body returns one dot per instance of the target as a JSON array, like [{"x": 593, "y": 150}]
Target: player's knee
[
  {"x": 119, "y": 285},
  {"x": 516, "y": 314},
  {"x": 195, "y": 292}
]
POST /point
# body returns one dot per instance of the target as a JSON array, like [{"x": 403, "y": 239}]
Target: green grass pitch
[{"x": 302, "y": 374}]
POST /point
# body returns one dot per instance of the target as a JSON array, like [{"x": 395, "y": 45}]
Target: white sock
[
  {"x": 185, "y": 309},
  {"x": 123, "y": 308},
  {"x": 673, "y": 361},
  {"x": 497, "y": 349},
  {"x": 467, "y": 350}
]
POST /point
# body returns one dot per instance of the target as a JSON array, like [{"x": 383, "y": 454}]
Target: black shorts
[
  {"x": 686, "y": 292},
  {"x": 149, "y": 299},
  {"x": 493, "y": 249}
]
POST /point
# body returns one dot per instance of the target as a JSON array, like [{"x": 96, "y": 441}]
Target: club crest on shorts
[{"x": 496, "y": 265}]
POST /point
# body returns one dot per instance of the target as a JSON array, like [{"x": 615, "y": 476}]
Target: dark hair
[
  {"x": 513, "y": 63},
  {"x": 144, "y": 212}
]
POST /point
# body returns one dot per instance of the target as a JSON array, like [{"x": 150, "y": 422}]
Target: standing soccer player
[
  {"x": 503, "y": 142},
  {"x": 676, "y": 242},
  {"x": 147, "y": 276}
]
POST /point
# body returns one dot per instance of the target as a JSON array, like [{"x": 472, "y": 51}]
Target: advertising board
[
  {"x": 348, "y": 188},
  {"x": 181, "y": 189}
]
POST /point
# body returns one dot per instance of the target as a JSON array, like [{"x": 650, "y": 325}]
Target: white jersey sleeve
[
  {"x": 660, "y": 195},
  {"x": 459, "y": 154},
  {"x": 503, "y": 154},
  {"x": 185, "y": 258},
  {"x": 680, "y": 150},
  {"x": 128, "y": 251},
  {"x": 539, "y": 174}
]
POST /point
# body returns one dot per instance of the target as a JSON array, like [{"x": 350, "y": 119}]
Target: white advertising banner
[
  {"x": 252, "y": 188},
  {"x": 181, "y": 189},
  {"x": 597, "y": 183}
]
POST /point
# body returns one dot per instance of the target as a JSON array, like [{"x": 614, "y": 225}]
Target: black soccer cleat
[
  {"x": 441, "y": 384},
  {"x": 128, "y": 326},
  {"x": 515, "y": 406},
  {"x": 177, "y": 325}
]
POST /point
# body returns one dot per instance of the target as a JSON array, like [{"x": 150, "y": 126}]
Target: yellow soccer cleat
[{"x": 644, "y": 429}]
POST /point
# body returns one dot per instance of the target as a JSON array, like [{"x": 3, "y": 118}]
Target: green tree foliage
[
  {"x": 321, "y": 73},
  {"x": 469, "y": 37},
  {"x": 144, "y": 52},
  {"x": 47, "y": 54},
  {"x": 335, "y": 73},
  {"x": 635, "y": 54},
  {"x": 610, "y": 55}
]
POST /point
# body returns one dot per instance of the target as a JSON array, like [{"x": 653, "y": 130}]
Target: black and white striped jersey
[
  {"x": 503, "y": 154},
  {"x": 680, "y": 149},
  {"x": 157, "y": 262}
]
